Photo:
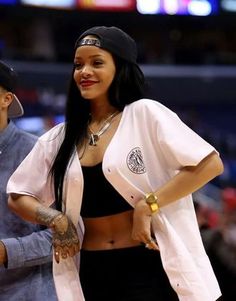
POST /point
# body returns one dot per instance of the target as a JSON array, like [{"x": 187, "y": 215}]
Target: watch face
[{"x": 151, "y": 198}]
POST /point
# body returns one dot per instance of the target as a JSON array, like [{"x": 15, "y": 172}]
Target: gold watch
[{"x": 151, "y": 200}]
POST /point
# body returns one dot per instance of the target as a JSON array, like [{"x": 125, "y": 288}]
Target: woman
[{"x": 121, "y": 171}]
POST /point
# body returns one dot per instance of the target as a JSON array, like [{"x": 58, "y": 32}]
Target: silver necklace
[{"x": 94, "y": 137}]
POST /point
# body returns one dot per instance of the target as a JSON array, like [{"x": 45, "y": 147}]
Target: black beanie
[{"x": 111, "y": 39}]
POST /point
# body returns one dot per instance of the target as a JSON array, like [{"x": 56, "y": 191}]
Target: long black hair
[{"x": 128, "y": 86}]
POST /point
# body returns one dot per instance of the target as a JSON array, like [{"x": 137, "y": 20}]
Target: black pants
[{"x": 129, "y": 274}]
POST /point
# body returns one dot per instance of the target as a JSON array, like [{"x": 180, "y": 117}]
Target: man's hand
[{"x": 3, "y": 253}]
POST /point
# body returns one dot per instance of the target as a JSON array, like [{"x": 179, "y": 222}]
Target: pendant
[{"x": 93, "y": 139}]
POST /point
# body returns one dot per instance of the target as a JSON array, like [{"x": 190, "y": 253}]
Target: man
[{"x": 25, "y": 248}]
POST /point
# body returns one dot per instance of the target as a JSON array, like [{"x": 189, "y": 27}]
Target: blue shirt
[{"x": 28, "y": 274}]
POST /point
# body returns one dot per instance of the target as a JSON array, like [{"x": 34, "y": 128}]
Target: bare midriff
[{"x": 109, "y": 232}]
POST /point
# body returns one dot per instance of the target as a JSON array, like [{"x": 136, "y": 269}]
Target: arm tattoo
[{"x": 44, "y": 216}]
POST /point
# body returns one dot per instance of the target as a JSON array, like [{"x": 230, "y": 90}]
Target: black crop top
[{"x": 99, "y": 197}]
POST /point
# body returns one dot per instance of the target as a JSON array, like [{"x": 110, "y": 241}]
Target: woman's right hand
[{"x": 65, "y": 238}]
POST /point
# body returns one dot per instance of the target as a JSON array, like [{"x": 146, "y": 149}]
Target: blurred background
[{"x": 187, "y": 50}]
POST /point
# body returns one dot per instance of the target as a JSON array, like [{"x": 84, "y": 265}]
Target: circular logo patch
[{"x": 135, "y": 161}]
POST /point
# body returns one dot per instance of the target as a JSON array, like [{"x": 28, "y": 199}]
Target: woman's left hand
[{"x": 142, "y": 225}]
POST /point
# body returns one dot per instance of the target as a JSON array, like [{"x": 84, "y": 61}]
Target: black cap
[
  {"x": 111, "y": 39},
  {"x": 8, "y": 80}
]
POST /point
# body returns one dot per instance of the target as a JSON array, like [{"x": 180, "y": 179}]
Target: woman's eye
[
  {"x": 98, "y": 63},
  {"x": 77, "y": 65}
]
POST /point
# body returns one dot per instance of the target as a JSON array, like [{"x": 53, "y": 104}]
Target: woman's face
[{"x": 94, "y": 72}]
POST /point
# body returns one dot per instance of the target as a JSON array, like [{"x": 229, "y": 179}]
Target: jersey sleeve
[
  {"x": 178, "y": 143},
  {"x": 32, "y": 177}
]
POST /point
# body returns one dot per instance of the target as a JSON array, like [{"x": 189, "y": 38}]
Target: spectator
[{"x": 25, "y": 248}]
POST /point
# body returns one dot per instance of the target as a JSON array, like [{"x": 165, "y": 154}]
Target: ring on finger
[{"x": 149, "y": 241}]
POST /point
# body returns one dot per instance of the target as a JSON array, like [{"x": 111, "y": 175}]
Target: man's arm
[{"x": 30, "y": 250}]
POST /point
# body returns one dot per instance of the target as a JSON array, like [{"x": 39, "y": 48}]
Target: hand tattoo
[{"x": 65, "y": 238}]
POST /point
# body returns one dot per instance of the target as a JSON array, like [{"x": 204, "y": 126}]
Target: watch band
[{"x": 151, "y": 200}]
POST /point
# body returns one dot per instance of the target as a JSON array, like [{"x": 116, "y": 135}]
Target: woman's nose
[{"x": 86, "y": 70}]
